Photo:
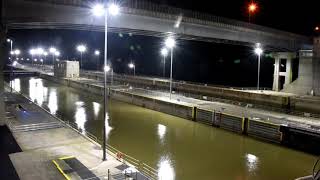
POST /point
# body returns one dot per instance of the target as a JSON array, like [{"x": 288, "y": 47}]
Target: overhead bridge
[{"x": 144, "y": 18}]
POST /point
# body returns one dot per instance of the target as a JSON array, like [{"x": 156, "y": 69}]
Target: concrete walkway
[{"x": 40, "y": 147}]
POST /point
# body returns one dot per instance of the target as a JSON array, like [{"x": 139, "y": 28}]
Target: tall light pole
[
  {"x": 11, "y": 61},
  {"x": 170, "y": 43},
  {"x": 258, "y": 51},
  {"x": 52, "y": 50},
  {"x": 81, "y": 48},
  {"x": 132, "y": 66},
  {"x": 32, "y": 53},
  {"x": 104, "y": 10},
  {"x": 164, "y": 53},
  {"x": 252, "y": 9},
  {"x": 97, "y": 55}
]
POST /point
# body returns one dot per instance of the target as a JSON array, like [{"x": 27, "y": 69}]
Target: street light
[
  {"x": 258, "y": 51},
  {"x": 170, "y": 43},
  {"x": 11, "y": 69},
  {"x": 164, "y": 53},
  {"x": 103, "y": 10},
  {"x": 97, "y": 54},
  {"x": 81, "y": 48},
  {"x": 52, "y": 50},
  {"x": 252, "y": 8},
  {"x": 132, "y": 66}
]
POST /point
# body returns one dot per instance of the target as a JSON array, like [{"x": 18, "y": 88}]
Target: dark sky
[{"x": 193, "y": 61}]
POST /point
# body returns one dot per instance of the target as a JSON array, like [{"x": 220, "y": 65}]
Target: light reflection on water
[
  {"x": 252, "y": 162},
  {"x": 16, "y": 85},
  {"x": 165, "y": 169},
  {"x": 161, "y": 131},
  {"x": 53, "y": 101},
  {"x": 36, "y": 90},
  {"x": 96, "y": 109},
  {"x": 80, "y": 115}
]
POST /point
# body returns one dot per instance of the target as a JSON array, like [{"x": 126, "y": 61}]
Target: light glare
[
  {"x": 107, "y": 68},
  {"x": 98, "y": 10},
  {"x": 170, "y": 42},
  {"x": 114, "y": 9},
  {"x": 164, "y": 52},
  {"x": 81, "y": 48}
]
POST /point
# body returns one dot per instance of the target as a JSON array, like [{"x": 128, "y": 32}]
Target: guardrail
[
  {"x": 140, "y": 7},
  {"x": 145, "y": 169}
]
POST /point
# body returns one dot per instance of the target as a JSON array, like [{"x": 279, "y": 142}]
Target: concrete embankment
[{"x": 261, "y": 128}]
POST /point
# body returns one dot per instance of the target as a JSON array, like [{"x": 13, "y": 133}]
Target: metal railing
[
  {"x": 148, "y": 171},
  {"x": 141, "y": 7}
]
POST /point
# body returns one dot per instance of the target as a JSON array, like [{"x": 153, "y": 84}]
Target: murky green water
[{"x": 179, "y": 148}]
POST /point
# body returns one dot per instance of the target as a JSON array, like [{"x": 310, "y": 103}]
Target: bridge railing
[{"x": 141, "y": 7}]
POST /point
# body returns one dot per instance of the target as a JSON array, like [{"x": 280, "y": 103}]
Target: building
[{"x": 66, "y": 69}]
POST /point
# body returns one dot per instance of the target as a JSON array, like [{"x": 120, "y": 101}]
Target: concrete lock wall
[
  {"x": 265, "y": 130},
  {"x": 251, "y": 127},
  {"x": 201, "y": 90}
]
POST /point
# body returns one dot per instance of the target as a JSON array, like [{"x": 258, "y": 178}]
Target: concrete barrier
[{"x": 264, "y": 130}]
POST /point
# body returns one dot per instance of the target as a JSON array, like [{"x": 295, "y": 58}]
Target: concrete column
[
  {"x": 275, "y": 86},
  {"x": 316, "y": 66},
  {"x": 288, "y": 78},
  {"x": 278, "y": 56}
]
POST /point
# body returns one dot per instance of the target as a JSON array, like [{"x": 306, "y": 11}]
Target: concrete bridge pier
[{"x": 282, "y": 69}]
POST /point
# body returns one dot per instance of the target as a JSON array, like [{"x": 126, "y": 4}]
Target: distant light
[
  {"x": 12, "y": 52},
  {"x": 57, "y": 53},
  {"x": 14, "y": 63},
  {"x": 41, "y": 60},
  {"x": 52, "y": 50},
  {"x": 97, "y": 52},
  {"x": 114, "y": 9},
  {"x": 252, "y": 7},
  {"x": 98, "y": 10},
  {"x": 32, "y": 51},
  {"x": 131, "y": 65},
  {"x": 170, "y": 42},
  {"x": 17, "y": 52},
  {"x": 107, "y": 68},
  {"x": 28, "y": 59},
  {"x": 35, "y": 60},
  {"x": 164, "y": 52},
  {"x": 317, "y": 28},
  {"x": 8, "y": 40},
  {"x": 17, "y": 58},
  {"x": 81, "y": 48},
  {"x": 21, "y": 58},
  {"x": 45, "y": 53},
  {"x": 39, "y": 51}
]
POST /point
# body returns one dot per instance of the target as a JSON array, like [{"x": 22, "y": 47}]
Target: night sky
[{"x": 210, "y": 63}]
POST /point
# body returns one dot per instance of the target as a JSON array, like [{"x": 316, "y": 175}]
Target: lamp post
[
  {"x": 258, "y": 51},
  {"x": 11, "y": 61},
  {"x": 252, "y": 8},
  {"x": 32, "y": 53},
  {"x": 104, "y": 10},
  {"x": 53, "y": 51},
  {"x": 81, "y": 48},
  {"x": 132, "y": 66},
  {"x": 164, "y": 53},
  {"x": 170, "y": 43},
  {"x": 97, "y": 55}
]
